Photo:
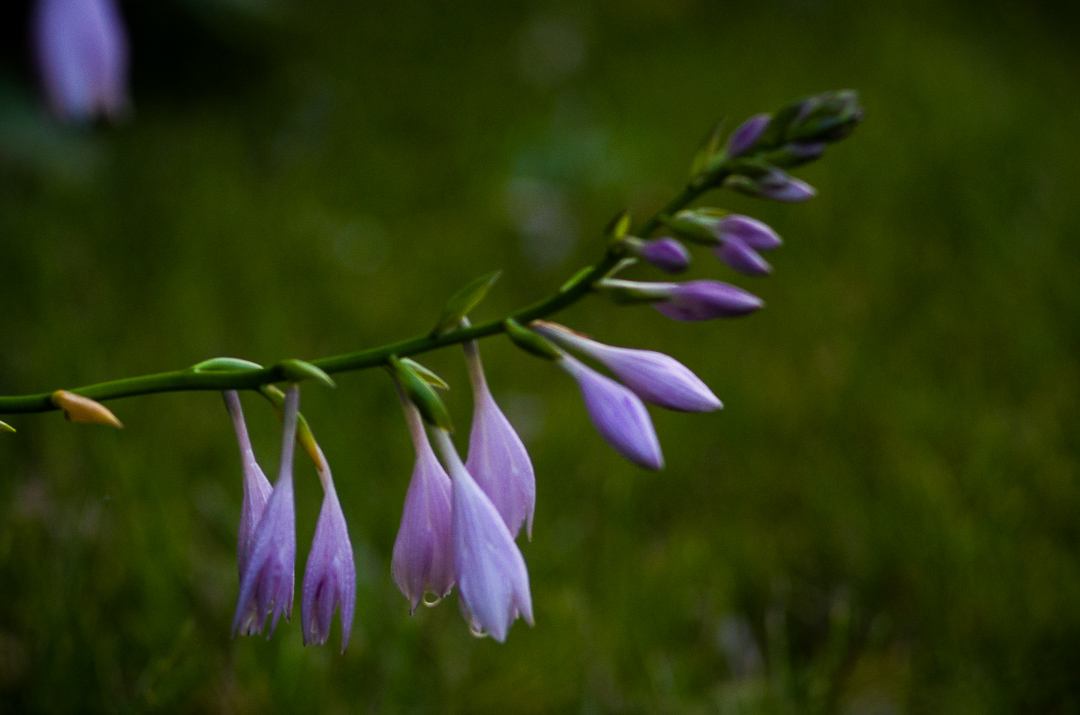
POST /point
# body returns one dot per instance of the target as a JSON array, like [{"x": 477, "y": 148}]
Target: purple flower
[
  {"x": 256, "y": 486},
  {"x": 746, "y": 135},
  {"x": 753, "y": 233},
  {"x": 737, "y": 254},
  {"x": 491, "y": 575},
  {"x": 266, "y": 586},
  {"x": 82, "y": 54},
  {"x": 423, "y": 559},
  {"x": 653, "y": 376},
  {"x": 497, "y": 459},
  {"x": 330, "y": 575},
  {"x": 617, "y": 413},
  {"x": 667, "y": 254},
  {"x": 704, "y": 300}
]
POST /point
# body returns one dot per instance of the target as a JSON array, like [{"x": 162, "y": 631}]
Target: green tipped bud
[
  {"x": 832, "y": 117},
  {"x": 225, "y": 364},
  {"x": 295, "y": 370},
  {"x": 421, "y": 394},
  {"x": 531, "y": 342},
  {"x": 428, "y": 374},
  {"x": 697, "y": 225}
]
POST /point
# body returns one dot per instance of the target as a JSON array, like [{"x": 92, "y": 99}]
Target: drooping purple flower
[
  {"x": 423, "y": 560},
  {"x": 617, "y": 413},
  {"x": 737, "y": 254},
  {"x": 655, "y": 377},
  {"x": 755, "y": 234},
  {"x": 747, "y": 134},
  {"x": 256, "y": 486},
  {"x": 81, "y": 49},
  {"x": 497, "y": 458},
  {"x": 704, "y": 300},
  {"x": 330, "y": 574},
  {"x": 667, "y": 254},
  {"x": 491, "y": 574},
  {"x": 266, "y": 586}
]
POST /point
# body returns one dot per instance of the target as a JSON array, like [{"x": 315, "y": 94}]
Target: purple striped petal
[{"x": 330, "y": 574}]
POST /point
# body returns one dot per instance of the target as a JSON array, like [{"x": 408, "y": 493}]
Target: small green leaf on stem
[
  {"x": 462, "y": 302},
  {"x": 225, "y": 364},
  {"x": 298, "y": 370},
  {"x": 421, "y": 394},
  {"x": 530, "y": 341},
  {"x": 619, "y": 226},
  {"x": 5, "y": 427},
  {"x": 709, "y": 149},
  {"x": 427, "y": 373},
  {"x": 82, "y": 409}
]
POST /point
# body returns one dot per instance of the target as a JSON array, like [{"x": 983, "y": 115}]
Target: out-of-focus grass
[{"x": 884, "y": 518}]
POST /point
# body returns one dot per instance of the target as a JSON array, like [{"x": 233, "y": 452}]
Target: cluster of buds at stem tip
[
  {"x": 81, "y": 49},
  {"x": 266, "y": 545}
]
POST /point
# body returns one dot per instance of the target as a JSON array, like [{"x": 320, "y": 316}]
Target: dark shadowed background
[{"x": 884, "y": 519}]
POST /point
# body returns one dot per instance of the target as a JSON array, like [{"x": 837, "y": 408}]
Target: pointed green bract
[
  {"x": 427, "y": 373},
  {"x": 299, "y": 370},
  {"x": 710, "y": 148},
  {"x": 462, "y": 302},
  {"x": 225, "y": 364},
  {"x": 421, "y": 394},
  {"x": 5, "y": 427},
  {"x": 530, "y": 341}
]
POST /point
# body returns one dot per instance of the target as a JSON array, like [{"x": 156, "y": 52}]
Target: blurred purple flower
[
  {"x": 653, "y": 376},
  {"x": 617, "y": 413},
  {"x": 704, "y": 300},
  {"x": 667, "y": 254},
  {"x": 775, "y": 184},
  {"x": 491, "y": 574},
  {"x": 82, "y": 51},
  {"x": 734, "y": 252},
  {"x": 330, "y": 574},
  {"x": 266, "y": 586},
  {"x": 746, "y": 135},
  {"x": 497, "y": 458},
  {"x": 423, "y": 560},
  {"x": 256, "y": 486}
]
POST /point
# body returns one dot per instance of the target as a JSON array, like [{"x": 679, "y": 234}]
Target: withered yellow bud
[{"x": 82, "y": 409}]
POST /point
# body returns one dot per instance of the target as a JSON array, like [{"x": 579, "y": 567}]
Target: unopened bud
[
  {"x": 747, "y": 135},
  {"x": 775, "y": 184},
  {"x": 300, "y": 370},
  {"x": 531, "y": 342},
  {"x": 667, "y": 254},
  {"x": 421, "y": 394},
  {"x": 82, "y": 409}
]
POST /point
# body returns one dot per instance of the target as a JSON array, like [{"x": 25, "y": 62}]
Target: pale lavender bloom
[
  {"x": 737, "y": 254},
  {"x": 497, "y": 458},
  {"x": 704, "y": 300},
  {"x": 755, "y": 234},
  {"x": 423, "y": 559},
  {"x": 667, "y": 254},
  {"x": 653, "y": 376},
  {"x": 256, "y": 486},
  {"x": 82, "y": 52},
  {"x": 617, "y": 413},
  {"x": 266, "y": 586},
  {"x": 491, "y": 574},
  {"x": 330, "y": 575},
  {"x": 747, "y": 134}
]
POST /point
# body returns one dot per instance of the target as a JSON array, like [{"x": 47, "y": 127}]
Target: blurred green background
[{"x": 883, "y": 520}]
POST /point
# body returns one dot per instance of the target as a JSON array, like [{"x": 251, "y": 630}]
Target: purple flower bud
[
  {"x": 497, "y": 459},
  {"x": 742, "y": 258},
  {"x": 618, "y": 415},
  {"x": 256, "y": 486},
  {"x": 423, "y": 559},
  {"x": 667, "y": 254},
  {"x": 704, "y": 300},
  {"x": 266, "y": 587},
  {"x": 747, "y": 134},
  {"x": 653, "y": 376},
  {"x": 330, "y": 575},
  {"x": 491, "y": 574},
  {"x": 82, "y": 54},
  {"x": 753, "y": 233},
  {"x": 776, "y": 185}
]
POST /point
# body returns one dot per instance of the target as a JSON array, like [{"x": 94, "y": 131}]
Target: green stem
[{"x": 187, "y": 380}]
